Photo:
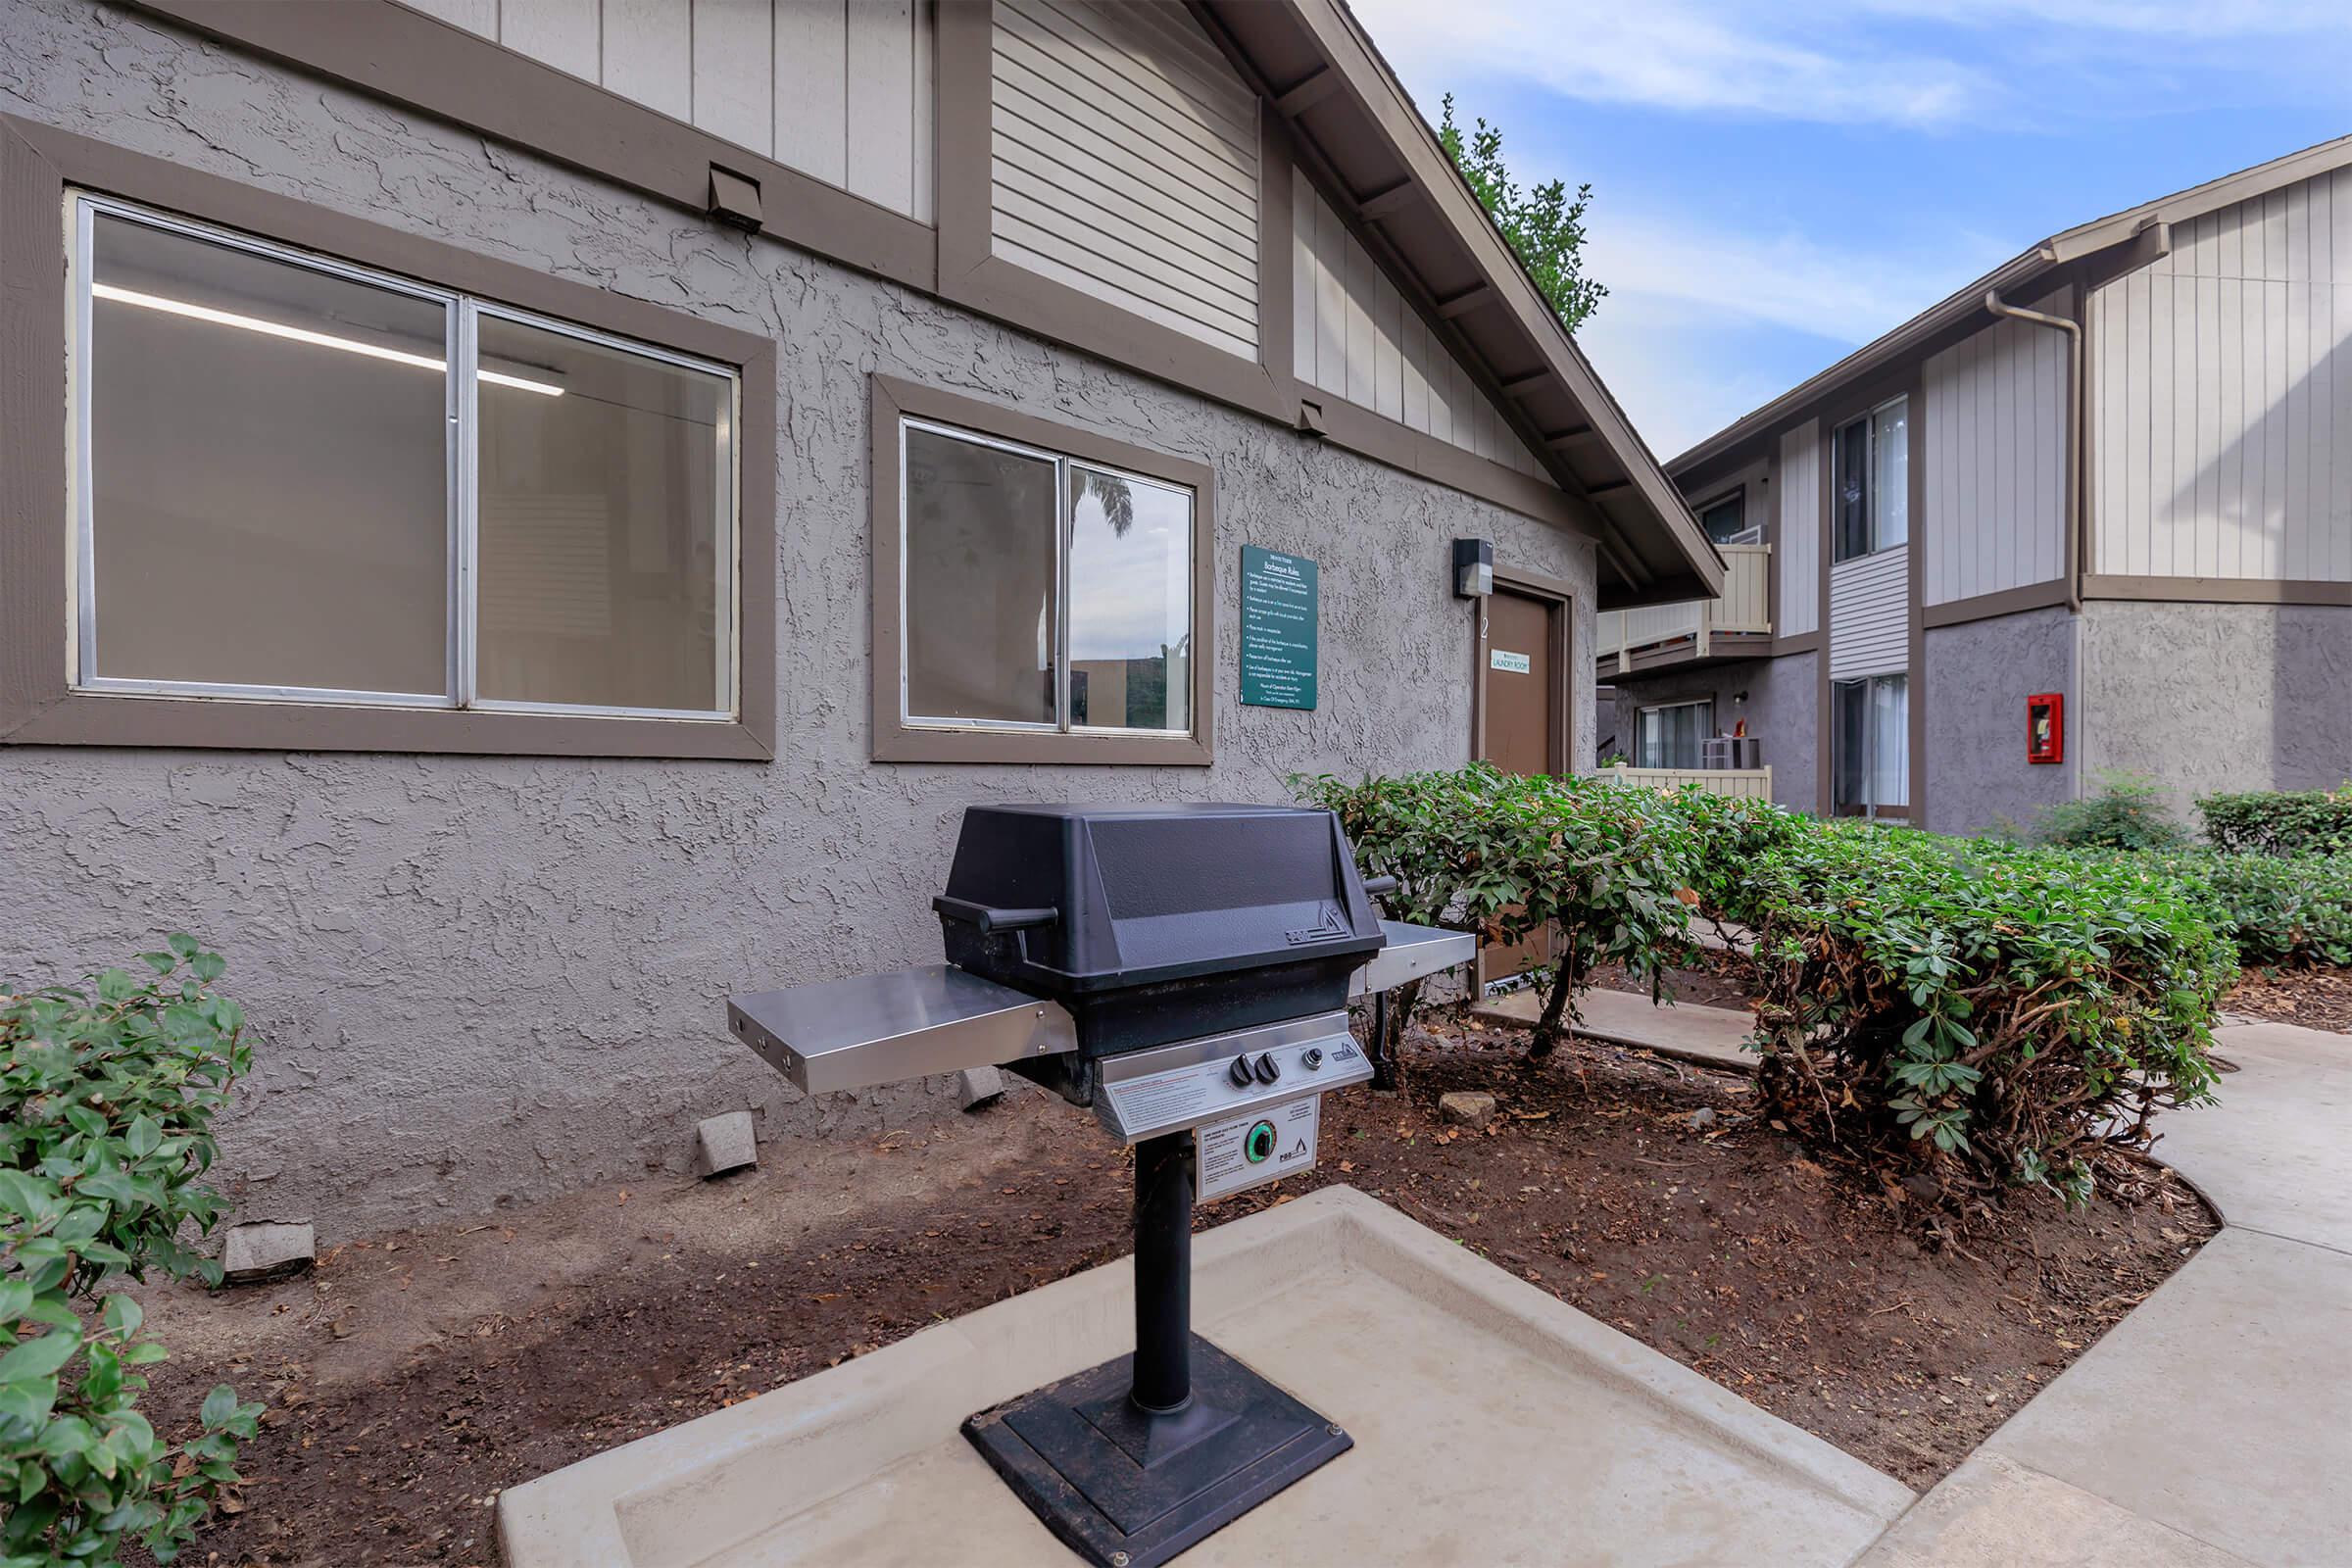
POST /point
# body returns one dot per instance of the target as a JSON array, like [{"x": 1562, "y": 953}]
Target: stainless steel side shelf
[
  {"x": 1412, "y": 951},
  {"x": 888, "y": 1028}
]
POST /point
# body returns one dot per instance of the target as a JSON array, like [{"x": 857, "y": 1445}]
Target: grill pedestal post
[{"x": 1130, "y": 1462}]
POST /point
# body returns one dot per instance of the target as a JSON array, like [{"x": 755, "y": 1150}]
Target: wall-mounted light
[{"x": 1473, "y": 569}]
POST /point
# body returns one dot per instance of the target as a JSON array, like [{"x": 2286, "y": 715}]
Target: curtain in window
[
  {"x": 1890, "y": 741},
  {"x": 1849, "y": 500},
  {"x": 1669, "y": 737},
  {"x": 1890, "y": 474},
  {"x": 1870, "y": 752}
]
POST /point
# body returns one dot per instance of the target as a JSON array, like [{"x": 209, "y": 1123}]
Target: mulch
[
  {"x": 2316, "y": 998},
  {"x": 1645, "y": 1192}
]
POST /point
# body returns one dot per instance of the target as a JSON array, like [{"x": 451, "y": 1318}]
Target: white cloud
[{"x": 1906, "y": 63}]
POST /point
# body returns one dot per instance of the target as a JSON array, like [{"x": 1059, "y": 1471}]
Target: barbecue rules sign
[{"x": 1279, "y": 629}]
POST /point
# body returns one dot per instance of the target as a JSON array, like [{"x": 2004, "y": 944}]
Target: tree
[{"x": 1545, "y": 227}]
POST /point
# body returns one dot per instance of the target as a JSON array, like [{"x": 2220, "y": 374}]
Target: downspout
[{"x": 2074, "y": 434}]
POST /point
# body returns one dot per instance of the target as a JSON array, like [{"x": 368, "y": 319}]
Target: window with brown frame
[{"x": 1040, "y": 592}]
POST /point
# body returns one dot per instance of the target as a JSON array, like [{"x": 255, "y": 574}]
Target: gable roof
[
  {"x": 1352, "y": 123},
  {"x": 2103, "y": 248}
]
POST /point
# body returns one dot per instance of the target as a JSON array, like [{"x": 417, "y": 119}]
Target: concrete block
[
  {"x": 1466, "y": 1107},
  {"x": 725, "y": 1142},
  {"x": 978, "y": 1086},
  {"x": 267, "y": 1250},
  {"x": 1493, "y": 1423}
]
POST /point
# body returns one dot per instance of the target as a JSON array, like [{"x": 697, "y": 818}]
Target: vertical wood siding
[
  {"x": 838, "y": 90},
  {"x": 1796, "y": 531},
  {"x": 2222, "y": 387},
  {"x": 1995, "y": 439},
  {"x": 1126, "y": 163},
  {"x": 1353, "y": 335},
  {"x": 1869, "y": 614}
]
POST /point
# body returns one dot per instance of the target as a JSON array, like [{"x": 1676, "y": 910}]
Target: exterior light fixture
[{"x": 1473, "y": 569}]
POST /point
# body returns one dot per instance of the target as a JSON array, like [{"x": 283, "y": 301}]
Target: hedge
[
  {"x": 107, "y": 1095},
  {"x": 2279, "y": 822},
  {"x": 2276, "y": 908},
  {"x": 1992, "y": 1016}
]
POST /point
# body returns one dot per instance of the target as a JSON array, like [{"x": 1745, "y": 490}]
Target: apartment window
[
  {"x": 1041, "y": 592},
  {"x": 300, "y": 480},
  {"x": 1725, "y": 520},
  {"x": 1871, "y": 745},
  {"x": 1670, "y": 735},
  {"x": 1871, "y": 465}
]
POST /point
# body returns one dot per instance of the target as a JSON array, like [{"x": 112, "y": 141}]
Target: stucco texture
[
  {"x": 1776, "y": 696},
  {"x": 1979, "y": 676},
  {"x": 2218, "y": 697},
  {"x": 476, "y": 981}
]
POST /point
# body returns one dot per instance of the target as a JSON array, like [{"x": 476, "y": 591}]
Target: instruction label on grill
[{"x": 1261, "y": 1148}]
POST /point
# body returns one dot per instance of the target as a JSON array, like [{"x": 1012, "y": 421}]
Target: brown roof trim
[
  {"x": 1365, "y": 141},
  {"x": 2137, "y": 230}
]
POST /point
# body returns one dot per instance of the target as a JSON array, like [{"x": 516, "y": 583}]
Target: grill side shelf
[{"x": 887, "y": 1028}]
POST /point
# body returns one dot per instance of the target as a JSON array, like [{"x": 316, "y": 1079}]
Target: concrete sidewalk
[
  {"x": 2207, "y": 1430},
  {"x": 1713, "y": 1037}
]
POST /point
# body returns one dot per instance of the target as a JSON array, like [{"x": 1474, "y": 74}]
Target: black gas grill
[{"x": 1185, "y": 972}]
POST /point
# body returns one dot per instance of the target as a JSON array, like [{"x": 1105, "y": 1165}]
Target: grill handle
[
  {"x": 1375, "y": 886},
  {"x": 991, "y": 920}
]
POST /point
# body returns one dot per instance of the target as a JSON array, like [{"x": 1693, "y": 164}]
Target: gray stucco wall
[
  {"x": 1978, "y": 678},
  {"x": 476, "y": 981},
  {"x": 1776, "y": 696},
  {"x": 2218, "y": 697}
]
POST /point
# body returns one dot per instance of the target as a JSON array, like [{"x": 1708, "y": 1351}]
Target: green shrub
[
  {"x": 107, "y": 1096},
  {"x": 1604, "y": 870},
  {"x": 2279, "y": 822},
  {"x": 1427, "y": 830},
  {"x": 2127, "y": 813},
  {"x": 1996, "y": 1015},
  {"x": 2274, "y": 908}
]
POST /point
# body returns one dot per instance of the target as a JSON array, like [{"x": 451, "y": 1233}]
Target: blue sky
[{"x": 1775, "y": 185}]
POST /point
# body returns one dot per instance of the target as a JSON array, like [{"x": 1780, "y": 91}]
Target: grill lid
[{"x": 1064, "y": 900}]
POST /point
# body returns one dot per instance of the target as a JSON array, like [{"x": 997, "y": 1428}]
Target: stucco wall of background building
[
  {"x": 1979, "y": 676},
  {"x": 2205, "y": 698},
  {"x": 479, "y": 981}
]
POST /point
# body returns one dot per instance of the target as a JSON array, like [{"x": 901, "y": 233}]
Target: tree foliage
[
  {"x": 1545, "y": 225},
  {"x": 107, "y": 1096}
]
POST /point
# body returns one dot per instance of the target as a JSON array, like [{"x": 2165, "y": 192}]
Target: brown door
[{"x": 1523, "y": 713}]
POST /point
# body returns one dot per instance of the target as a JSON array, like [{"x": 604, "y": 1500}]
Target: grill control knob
[
  {"x": 1311, "y": 1058},
  {"x": 1266, "y": 1069},
  {"x": 1239, "y": 1072}
]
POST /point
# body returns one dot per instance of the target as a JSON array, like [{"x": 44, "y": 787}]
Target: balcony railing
[
  {"x": 1746, "y": 606},
  {"x": 1747, "y": 783}
]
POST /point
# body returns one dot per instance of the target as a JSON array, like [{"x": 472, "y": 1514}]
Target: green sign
[{"x": 1279, "y": 631}]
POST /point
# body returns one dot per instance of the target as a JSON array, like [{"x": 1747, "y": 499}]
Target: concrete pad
[
  {"x": 1713, "y": 1037},
  {"x": 2217, "y": 1407},
  {"x": 1994, "y": 1513},
  {"x": 1493, "y": 1424},
  {"x": 2271, "y": 1154}
]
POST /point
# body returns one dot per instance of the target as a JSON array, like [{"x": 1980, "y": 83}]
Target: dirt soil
[
  {"x": 2316, "y": 998},
  {"x": 1720, "y": 982},
  {"x": 413, "y": 1377}
]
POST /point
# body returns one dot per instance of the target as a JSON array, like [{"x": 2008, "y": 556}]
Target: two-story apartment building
[
  {"x": 519, "y": 518},
  {"x": 2116, "y": 470}
]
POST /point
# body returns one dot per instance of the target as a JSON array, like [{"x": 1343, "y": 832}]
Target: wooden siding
[
  {"x": 1869, "y": 614},
  {"x": 1354, "y": 336},
  {"x": 838, "y": 90},
  {"x": 1125, "y": 163},
  {"x": 1796, "y": 531},
  {"x": 1996, "y": 443},
  {"x": 2221, "y": 386}
]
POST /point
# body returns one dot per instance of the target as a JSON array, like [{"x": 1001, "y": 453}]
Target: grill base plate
[{"x": 1127, "y": 1490}]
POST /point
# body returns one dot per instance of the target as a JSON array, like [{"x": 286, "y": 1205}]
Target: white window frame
[
  {"x": 461, "y": 375},
  {"x": 1640, "y": 714},
  {"x": 1065, "y": 516}
]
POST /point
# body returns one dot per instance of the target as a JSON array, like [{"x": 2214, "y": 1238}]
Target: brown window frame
[
  {"x": 40, "y": 167},
  {"x": 895, "y": 739}
]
